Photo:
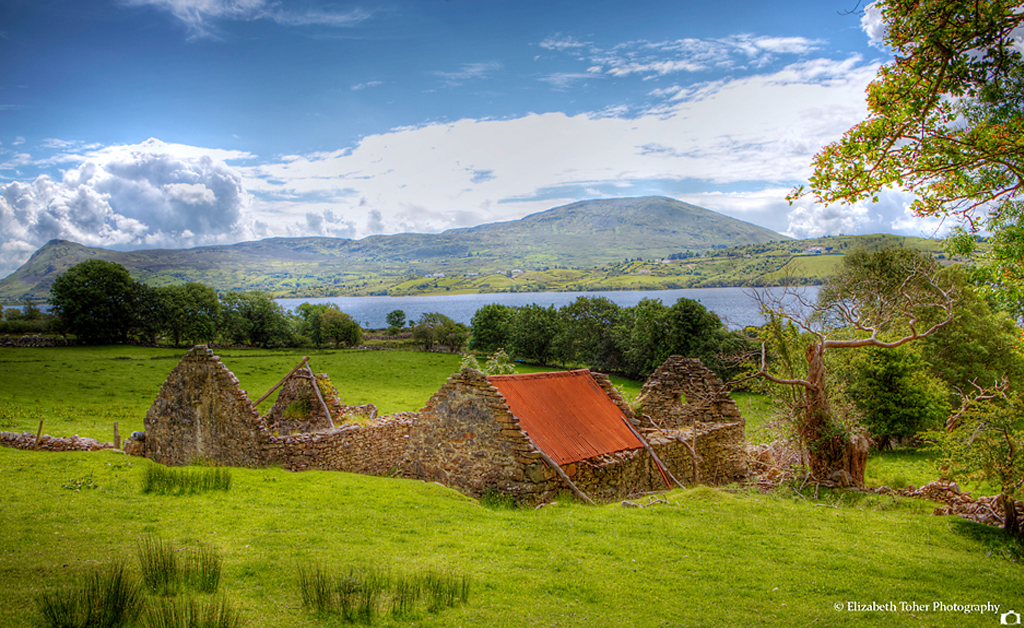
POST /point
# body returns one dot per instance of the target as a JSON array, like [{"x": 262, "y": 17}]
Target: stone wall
[
  {"x": 27, "y": 440},
  {"x": 682, "y": 391},
  {"x": 32, "y": 341},
  {"x": 465, "y": 437},
  {"x": 200, "y": 412},
  {"x": 380, "y": 447}
]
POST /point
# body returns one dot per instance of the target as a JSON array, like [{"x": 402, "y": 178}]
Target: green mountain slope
[{"x": 584, "y": 234}]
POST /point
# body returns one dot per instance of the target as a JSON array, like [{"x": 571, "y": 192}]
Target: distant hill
[{"x": 580, "y": 235}]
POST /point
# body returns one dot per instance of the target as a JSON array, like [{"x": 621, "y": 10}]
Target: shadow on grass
[{"x": 993, "y": 540}]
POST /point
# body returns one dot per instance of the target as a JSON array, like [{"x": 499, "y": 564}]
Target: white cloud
[
  {"x": 360, "y": 86},
  {"x": 757, "y": 129},
  {"x": 562, "y": 43},
  {"x": 138, "y": 196},
  {"x": 873, "y": 25},
  {"x": 697, "y": 55},
  {"x": 756, "y": 133},
  {"x": 468, "y": 71},
  {"x": 891, "y": 214},
  {"x": 199, "y": 15}
]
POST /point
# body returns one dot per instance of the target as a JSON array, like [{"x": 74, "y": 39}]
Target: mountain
[{"x": 584, "y": 234}]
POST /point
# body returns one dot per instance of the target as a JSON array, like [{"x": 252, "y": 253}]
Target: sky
[{"x": 132, "y": 124}]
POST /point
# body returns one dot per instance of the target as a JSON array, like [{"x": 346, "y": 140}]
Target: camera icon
[{"x": 1010, "y": 618}]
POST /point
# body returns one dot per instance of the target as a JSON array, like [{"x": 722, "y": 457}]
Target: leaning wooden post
[
  {"x": 316, "y": 389},
  {"x": 565, "y": 478},
  {"x": 39, "y": 433},
  {"x": 665, "y": 473},
  {"x": 117, "y": 437},
  {"x": 283, "y": 379}
]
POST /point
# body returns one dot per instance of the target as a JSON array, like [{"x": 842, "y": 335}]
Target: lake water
[{"x": 735, "y": 306}]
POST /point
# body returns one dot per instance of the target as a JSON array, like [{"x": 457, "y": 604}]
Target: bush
[{"x": 896, "y": 396}]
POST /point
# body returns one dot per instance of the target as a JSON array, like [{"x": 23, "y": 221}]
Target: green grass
[
  {"x": 84, "y": 390},
  {"x": 704, "y": 558}
]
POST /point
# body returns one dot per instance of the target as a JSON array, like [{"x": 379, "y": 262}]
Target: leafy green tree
[
  {"x": 95, "y": 300},
  {"x": 644, "y": 334},
  {"x": 696, "y": 332},
  {"x": 895, "y": 395},
  {"x": 533, "y": 330},
  {"x": 944, "y": 118},
  {"x": 434, "y": 328},
  {"x": 311, "y": 321},
  {"x": 491, "y": 327},
  {"x": 190, "y": 312},
  {"x": 396, "y": 321},
  {"x": 978, "y": 345},
  {"x": 984, "y": 440},
  {"x": 253, "y": 318},
  {"x": 587, "y": 334},
  {"x": 340, "y": 328}
]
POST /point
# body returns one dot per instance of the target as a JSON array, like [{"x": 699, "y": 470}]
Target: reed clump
[{"x": 362, "y": 595}]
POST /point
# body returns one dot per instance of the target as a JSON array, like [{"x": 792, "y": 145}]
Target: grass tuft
[
  {"x": 168, "y": 481},
  {"x": 363, "y": 594},
  {"x": 190, "y": 613},
  {"x": 164, "y": 573},
  {"x": 107, "y": 598},
  {"x": 159, "y": 564}
]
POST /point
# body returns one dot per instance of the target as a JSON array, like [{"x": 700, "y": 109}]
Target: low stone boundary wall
[
  {"x": 32, "y": 341},
  {"x": 374, "y": 449},
  {"x": 27, "y": 440}
]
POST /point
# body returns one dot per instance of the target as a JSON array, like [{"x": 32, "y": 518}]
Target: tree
[
  {"x": 884, "y": 299},
  {"x": 396, "y": 321},
  {"x": 944, "y": 118},
  {"x": 340, "y": 328},
  {"x": 434, "y": 328},
  {"x": 491, "y": 327},
  {"x": 533, "y": 330},
  {"x": 895, "y": 395},
  {"x": 587, "y": 334},
  {"x": 95, "y": 301},
  {"x": 190, "y": 312},
  {"x": 255, "y": 319},
  {"x": 978, "y": 345},
  {"x": 985, "y": 440}
]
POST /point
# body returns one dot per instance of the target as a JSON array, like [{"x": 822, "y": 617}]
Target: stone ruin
[{"x": 466, "y": 436}]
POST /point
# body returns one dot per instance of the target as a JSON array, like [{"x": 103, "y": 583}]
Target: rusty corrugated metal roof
[{"x": 567, "y": 414}]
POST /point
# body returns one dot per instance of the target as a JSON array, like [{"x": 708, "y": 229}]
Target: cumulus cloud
[
  {"x": 891, "y": 214},
  {"x": 873, "y": 26},
  {"x": 138, "y": 196}
]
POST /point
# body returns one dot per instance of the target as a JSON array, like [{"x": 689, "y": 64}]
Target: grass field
[{"x": 703, "y": 558}]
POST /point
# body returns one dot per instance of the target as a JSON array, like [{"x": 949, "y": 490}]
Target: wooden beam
[
  {"x": 316, "y": 389},
  {"x": 278, "y": 385},
  {"x": 561, "y": 473},
  {"x": 665, "y": 473}
]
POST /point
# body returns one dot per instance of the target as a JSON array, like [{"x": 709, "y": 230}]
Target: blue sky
[{"x": 173, "y": 123}]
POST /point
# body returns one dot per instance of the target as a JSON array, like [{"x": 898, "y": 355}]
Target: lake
[{"x": 734, "y": 306}]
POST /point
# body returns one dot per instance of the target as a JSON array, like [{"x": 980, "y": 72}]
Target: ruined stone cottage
[{"x": 529, "y": 436}]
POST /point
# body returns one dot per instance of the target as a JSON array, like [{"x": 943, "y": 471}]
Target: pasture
[{"x": 699, "y": 557}]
